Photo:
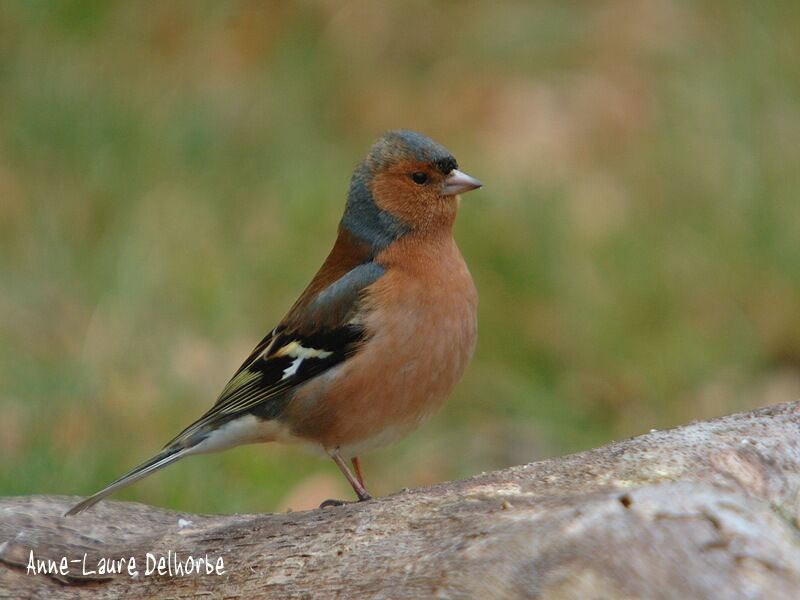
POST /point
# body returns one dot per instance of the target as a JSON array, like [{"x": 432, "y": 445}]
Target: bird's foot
[{"x": 332, "y": 502}]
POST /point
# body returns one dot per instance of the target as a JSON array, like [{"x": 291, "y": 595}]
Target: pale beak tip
[{"x": 458, "y": 182}]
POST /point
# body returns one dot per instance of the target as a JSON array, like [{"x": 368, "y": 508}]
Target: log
[{"x": 707, "y": 510}]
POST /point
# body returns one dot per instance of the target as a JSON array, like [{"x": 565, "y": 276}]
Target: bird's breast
[{"x": 421, "y": 323}]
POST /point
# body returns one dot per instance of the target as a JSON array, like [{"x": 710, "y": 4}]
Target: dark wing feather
[{"x": 313, "y": 338}]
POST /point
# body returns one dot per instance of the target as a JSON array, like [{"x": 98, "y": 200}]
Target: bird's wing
[
  {"x": 314, "y": 337},
  {"x": 322, "y": 330}
]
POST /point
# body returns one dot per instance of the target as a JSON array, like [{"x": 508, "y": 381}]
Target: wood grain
[{"x": 708, "y": 510}]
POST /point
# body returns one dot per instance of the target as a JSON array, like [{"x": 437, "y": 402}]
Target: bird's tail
[{"x": 166, "y": 457}]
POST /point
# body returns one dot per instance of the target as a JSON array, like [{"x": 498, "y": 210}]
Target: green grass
[{"x": 171, "y": 176}]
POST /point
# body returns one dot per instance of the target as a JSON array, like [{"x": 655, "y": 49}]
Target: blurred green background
[{"x": 171, "y": 175}]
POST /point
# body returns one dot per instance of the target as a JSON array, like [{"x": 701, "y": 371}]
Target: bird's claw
[{"x": 332, "y": 502}]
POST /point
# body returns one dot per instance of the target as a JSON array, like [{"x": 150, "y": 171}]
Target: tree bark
[{"x": 707, "y": 510}]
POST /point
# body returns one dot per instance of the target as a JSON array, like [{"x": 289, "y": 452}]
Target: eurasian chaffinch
[{"x": 376, "y": 341}]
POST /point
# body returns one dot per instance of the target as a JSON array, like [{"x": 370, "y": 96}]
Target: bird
[{"x": 376, "y": 341}]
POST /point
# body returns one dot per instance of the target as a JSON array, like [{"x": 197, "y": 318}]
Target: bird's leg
[
  {"x": 355, "y": 482},
  {"x": 358, "y": 487},
  {"x": 357, "y": 466}
]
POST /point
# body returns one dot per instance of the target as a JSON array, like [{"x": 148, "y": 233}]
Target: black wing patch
[
  {"x": 288, "y": 361},
  {"x": 262, "y": 383}
]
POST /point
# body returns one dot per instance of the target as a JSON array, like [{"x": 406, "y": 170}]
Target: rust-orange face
[
  {"x": 408, "y": 182},
  {"x": 410, "y": 188}
]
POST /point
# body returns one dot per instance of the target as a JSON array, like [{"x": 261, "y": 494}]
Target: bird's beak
[{"x": 458, "y": 182}]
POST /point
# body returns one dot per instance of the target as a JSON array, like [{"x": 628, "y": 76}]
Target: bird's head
[{"x": 407, "y": 183}]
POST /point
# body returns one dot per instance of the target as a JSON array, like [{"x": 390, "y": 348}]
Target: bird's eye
[{"x": 420, "y": 178}]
